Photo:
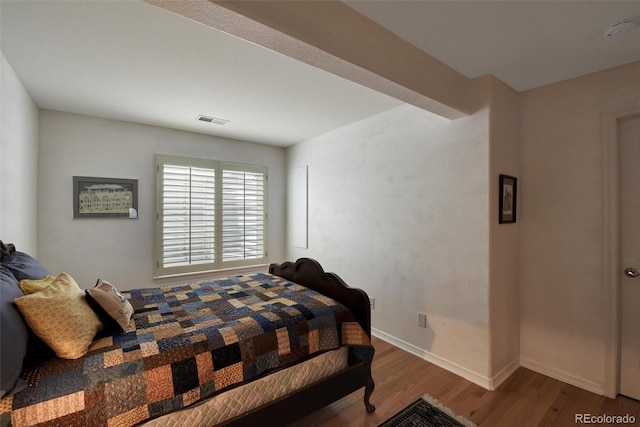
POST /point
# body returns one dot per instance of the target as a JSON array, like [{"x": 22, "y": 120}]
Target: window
[{"x": 211, "y": 215}]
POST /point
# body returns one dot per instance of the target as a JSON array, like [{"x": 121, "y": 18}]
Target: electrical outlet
[
  {"x": 372, "y": 303},
  {"x": 422, "y": 320}
]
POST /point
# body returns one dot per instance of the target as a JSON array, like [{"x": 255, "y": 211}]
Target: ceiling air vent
[{"x": 212, "y": 120}]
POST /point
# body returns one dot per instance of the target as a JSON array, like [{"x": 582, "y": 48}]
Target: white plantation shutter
[
  {"x": 211, "y": 215},
  {"x": 175, "y": 228},
  {"x": 242, "y": 215}
]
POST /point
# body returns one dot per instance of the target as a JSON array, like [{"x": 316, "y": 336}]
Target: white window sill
[{"x": 212, "y": 274}]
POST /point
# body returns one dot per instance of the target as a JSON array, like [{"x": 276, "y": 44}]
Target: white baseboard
[
  {"x": 503, "y": 374},
  {"x": 468, "y": 374},
  {"x": 498, "y": 378},
  {"x": 561, "y": 375}
]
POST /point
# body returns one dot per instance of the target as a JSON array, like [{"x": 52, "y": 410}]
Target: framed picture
[
  {"x": 105, "y": 197},
  {"x": 508, "y": 199}
]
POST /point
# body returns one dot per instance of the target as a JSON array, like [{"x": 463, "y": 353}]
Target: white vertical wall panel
[{"x": 299, "y": 207}]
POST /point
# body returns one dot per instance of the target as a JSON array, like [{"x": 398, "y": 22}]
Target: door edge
[{"x": 611, "y": 246}]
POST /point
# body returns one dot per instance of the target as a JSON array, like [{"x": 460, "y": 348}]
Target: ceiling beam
[{"x": 334, "y": 37}]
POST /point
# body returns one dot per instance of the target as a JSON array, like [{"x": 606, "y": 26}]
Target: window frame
[{"x": 218, "y": 166}]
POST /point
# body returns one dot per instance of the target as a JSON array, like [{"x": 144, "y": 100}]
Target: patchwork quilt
[{"x": 185, "y": 344}]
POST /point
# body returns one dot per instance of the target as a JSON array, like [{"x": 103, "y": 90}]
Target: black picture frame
[
  {"x": 95, "y": 197},
  {"x": 507, "y": 208}
]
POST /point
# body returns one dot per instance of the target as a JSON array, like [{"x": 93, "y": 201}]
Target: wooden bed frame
[{"x": 308, "y": 272}]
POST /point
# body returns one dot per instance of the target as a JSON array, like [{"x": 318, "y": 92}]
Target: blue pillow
[
  {"x": 24, "y": 266},
  {"x": 14, "y": 335}
]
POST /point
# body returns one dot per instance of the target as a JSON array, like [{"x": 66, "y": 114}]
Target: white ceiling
[
  {"x": 526, "y": 44},
  {"x": 132, "y": 61}
]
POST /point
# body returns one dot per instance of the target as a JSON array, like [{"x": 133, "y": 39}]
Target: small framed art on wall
[
  {"x": 105, "y": 197},
  {"x": 508, "y": 199}
]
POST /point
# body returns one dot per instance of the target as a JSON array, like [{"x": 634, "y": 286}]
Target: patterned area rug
[{"x": 427, "y": 412}]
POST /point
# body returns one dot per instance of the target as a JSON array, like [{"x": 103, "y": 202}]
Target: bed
[{"x": 264, "y": 349}]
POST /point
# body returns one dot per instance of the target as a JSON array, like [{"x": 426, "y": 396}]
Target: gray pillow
[
  {"x": 14, "y": 335},
  {"x": 24, "y": 266}
]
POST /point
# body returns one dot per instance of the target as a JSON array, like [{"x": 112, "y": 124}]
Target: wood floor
[{"x": 525, "y": 399}]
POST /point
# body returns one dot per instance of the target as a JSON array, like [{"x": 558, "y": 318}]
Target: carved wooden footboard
[{"x": 308, "y": 272}]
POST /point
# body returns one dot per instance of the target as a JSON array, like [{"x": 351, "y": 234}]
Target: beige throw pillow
[
  {"x": 32, "y": 286},
  {"x": 60, "y": 316},
  {"x": 113, "y": 309}
]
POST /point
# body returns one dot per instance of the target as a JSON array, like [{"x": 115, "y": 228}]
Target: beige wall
[
  {"x": 399, "y": 206},
  {"x": 115, "y": 249},
  {"x": 18, "y": 162},
  {"x": 504, "y": 238},
  {"x": 562, "y": 323}
]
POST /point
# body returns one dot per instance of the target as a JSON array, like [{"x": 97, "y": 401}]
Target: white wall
[
  {"x": 121, "y": 250},
  {"x": 561, "y": 251},
  {"x": 18, "y": 162},
  {"x": 504, "y": 240},
  {"x": 398, "y": 206}
]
